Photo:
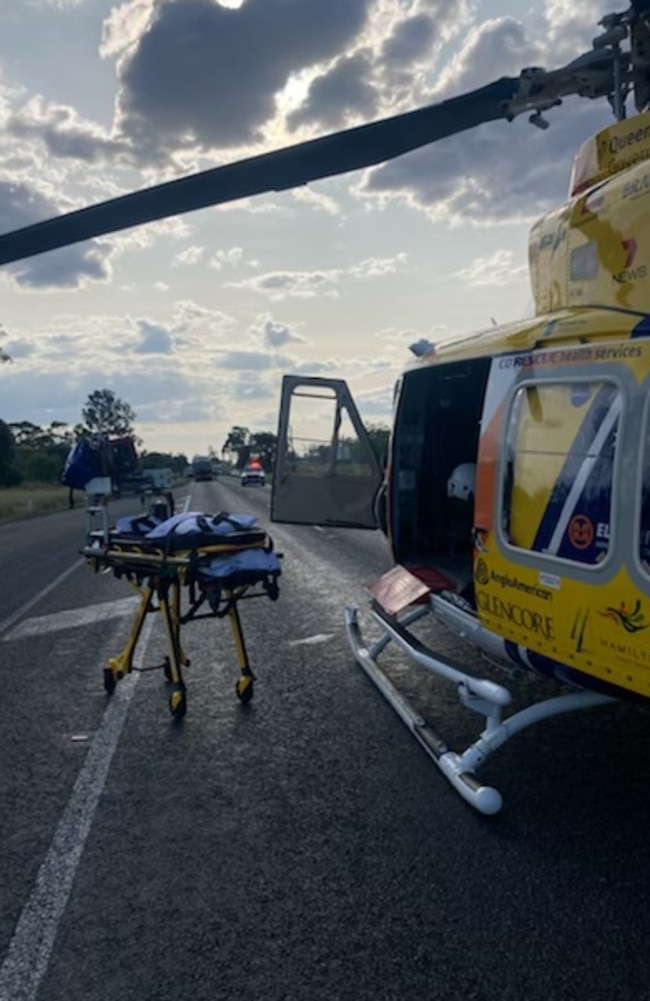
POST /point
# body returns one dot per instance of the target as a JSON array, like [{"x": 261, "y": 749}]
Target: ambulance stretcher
[{"x": 219, "y": 559}]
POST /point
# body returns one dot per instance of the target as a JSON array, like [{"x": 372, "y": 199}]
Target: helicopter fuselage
[{"x": 551, "y": 551}]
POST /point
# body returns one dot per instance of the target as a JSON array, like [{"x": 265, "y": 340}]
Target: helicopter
[{"x": 515, "y": 496}]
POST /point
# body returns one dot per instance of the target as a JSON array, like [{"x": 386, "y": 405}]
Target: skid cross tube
[{"x": 478, "y": 694}]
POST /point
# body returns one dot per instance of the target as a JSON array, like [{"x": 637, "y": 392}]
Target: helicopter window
[
  {"x": 557, "y": 480},
  {"x": 583, "y": 263}
]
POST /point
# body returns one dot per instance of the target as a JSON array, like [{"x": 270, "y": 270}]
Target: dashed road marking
[
  {"x": 73, "y": 618},
  {"x": 9, "y": 621},
  {"x": 312, "y": 640}
]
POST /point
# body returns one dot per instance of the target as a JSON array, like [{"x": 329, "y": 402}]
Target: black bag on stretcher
[{"x": 220, "y": 559}]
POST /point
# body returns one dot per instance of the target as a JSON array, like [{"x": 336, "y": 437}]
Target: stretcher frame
[{"x": 158, "y": 573}]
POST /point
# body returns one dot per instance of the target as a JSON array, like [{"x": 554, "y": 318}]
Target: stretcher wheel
[
  {"x": 178, "y": 702},
  {"x": 109, "y": 681},
  {"x": 244, "y": 689}
]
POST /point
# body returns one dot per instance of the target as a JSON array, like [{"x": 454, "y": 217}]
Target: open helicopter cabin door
[
  {"x": 434, "y": 465},
  {"x": 326, "y": 472}
]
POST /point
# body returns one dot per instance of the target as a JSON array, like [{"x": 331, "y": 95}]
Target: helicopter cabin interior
[{"x": 433, "y": 472}]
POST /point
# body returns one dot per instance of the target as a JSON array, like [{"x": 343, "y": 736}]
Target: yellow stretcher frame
[{"x": 155, "y": 573}]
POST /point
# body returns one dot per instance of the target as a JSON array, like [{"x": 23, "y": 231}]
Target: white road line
[
  {"x": 9, "y": 621},
  {"x": 312, "y": 640},
  {"x": 30, "y": 949},
  {"x": 15, "y": 616},
  {"x": 72, "y": 618}
]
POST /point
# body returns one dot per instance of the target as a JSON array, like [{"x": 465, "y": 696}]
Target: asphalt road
[{"x": 303, "y": 847}]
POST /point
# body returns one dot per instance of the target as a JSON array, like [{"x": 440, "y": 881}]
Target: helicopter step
[{"x": 480, "y": 695}]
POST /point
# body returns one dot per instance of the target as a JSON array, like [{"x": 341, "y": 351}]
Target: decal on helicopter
[
  {"x": 579, "y": 631},
  {"x": 631, "y": 619}
]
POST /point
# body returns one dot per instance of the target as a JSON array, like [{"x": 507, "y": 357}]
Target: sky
[{"x": 194, "y": 320}]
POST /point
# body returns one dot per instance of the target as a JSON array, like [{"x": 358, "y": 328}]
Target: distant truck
[{"x": 202, "y": 468}]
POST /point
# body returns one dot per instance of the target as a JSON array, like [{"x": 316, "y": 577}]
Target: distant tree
[
  {"x": 9, "y": 474},
  {"x": 237, "y": 444},
  {"x": 25, "y": 433},
  {"x": 157, "y": 460},
  {"x": 106, "y": 413},
  {"x": 264, "y": 444},
  {"x": 40, "y": 452},
  {"x": 379, "y": 435}
]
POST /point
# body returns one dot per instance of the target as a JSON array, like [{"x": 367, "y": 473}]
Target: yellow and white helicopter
[{"x": 516, "y": 495}]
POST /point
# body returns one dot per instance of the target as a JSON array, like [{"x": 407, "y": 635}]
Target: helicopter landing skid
[{"x": 481, "y": 695}]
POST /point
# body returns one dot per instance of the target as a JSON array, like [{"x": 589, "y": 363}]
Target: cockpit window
[{"x": 558, "y": 469}]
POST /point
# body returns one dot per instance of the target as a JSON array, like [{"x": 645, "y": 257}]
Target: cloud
[
  {"x": 21, "y": 205},
  {"x": 154, "y": 339},
  {"x": 475, "y": 177},
  {"x": 376, "y": 267},
  {"x": 411, "y": 41},
  {"x": 276, "y": 335},
  {"x": 310, "y": 284},
  {"x": 61, "y": 4},
  {"x": 245, "y": 360},
  {"x": 498, "y": 269},
  {"x": 297, "y": 284},
  {"x": 177, "y": 68},
  {"x": 234, "y": 258},
  {"x": 64, "y": 133},
  {"x": 249, "y": 388},
  {"x": 19, "y": 348},
  {"x": 342, "y": 92},
  {"x": 377, "y": 404},
  {"x": 189, "y": 256},
  {"x": 318, "y": 200},
  {"x": 316, "y": 367},
  {"x": 193, "y": 320}
]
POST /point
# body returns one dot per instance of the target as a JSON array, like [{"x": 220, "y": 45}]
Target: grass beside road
[{"x": 32, "y": 499}]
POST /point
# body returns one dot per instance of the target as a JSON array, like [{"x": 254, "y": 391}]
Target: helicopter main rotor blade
[{"x": 290, "y": 167}]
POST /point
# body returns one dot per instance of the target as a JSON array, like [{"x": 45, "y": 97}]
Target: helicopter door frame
[{"x": 324, "y": 496}]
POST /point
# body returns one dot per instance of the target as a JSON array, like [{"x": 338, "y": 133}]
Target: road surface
[{"x": 304, "y": 847}]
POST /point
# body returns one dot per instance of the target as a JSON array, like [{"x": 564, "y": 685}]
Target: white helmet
[{"x": 462, "y": 482}]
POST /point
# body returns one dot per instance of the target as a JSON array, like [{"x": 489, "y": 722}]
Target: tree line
[
  {"x": 242, "y": 445},
  {"x": 30, "y": 453}
]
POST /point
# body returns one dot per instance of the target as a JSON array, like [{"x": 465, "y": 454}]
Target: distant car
[{"x": 252, "y": 476}]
